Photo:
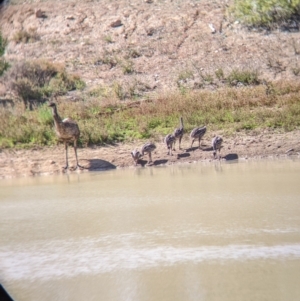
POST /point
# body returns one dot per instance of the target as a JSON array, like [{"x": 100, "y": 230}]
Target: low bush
[
  {"x": 33, "y": 81},
  {"x": 4, "y": 65},
  {"x": 24, "y": 36},
  {"x": 245, "y": 78},
  {"x": 265, "y": 13}
]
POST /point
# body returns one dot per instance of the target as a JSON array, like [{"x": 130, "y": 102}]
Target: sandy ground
[{"x": 47, "y": 161}]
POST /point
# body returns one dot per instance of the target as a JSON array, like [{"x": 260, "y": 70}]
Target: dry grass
[{"x": 108, "y": 121}]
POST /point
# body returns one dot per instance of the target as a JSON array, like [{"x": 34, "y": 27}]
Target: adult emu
[{"x": 67, "y": 131}]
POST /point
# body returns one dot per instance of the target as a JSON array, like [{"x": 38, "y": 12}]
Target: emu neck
[
  {"x": 56, "y": 117},
  {"x": 181, "y": 123}
]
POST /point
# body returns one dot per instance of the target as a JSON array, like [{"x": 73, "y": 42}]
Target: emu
[
  {"x": 136, "y": 155},
  {"x": 178, "y": 133},
  {"x": 67, "y": 131},
  {"x": 197, "y": 133},
  {"x": 217, "y": 145},
  {"x": 170, "y": 141},
  {"x": 148, "y": 148}
]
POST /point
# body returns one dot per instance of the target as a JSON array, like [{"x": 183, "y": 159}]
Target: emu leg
[
  {"x": 150, "y": 158},
  {"x": 179, "y": 142},
  {"x": 75, "y": 150},
  {"x": 192, "y": 143},
  {"x": 200, "y": 143},
  {"x": 66, "y": 150}
]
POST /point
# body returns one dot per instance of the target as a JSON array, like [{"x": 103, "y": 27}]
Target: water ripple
[{"x": 68, "y": 260}]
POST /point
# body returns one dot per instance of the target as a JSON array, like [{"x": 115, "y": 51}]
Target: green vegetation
[
  {"x": 32, "y": 81},
  {"x": 265, "y": 13},
  {"x": 4, "y": 65},
  {"x": 244, "y": 77},
  {"x": 228, "y": 109}
]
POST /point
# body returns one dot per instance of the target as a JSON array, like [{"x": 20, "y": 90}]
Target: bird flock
[
  {"x": 170, "y": 141},
  {"x": 67, "y": 131}
]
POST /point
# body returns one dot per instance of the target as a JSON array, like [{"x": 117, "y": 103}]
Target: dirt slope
[{"x": 157, "y": 41}]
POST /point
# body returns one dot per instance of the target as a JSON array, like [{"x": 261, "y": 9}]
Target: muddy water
[{"x": 190, "y": 232}]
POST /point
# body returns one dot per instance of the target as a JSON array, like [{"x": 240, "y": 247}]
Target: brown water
[{"x": 190, "y": 232}]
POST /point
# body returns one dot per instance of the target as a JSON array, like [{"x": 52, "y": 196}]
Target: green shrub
[
  {"x": 32, "y": 81},
  {"x": 4, "y": 65},
  {"x": 219, "y": 74},
  {"x": 265, "y": 13},
  {"x": 242, "y": 77},
  {"x": 127, "y": 67},
  {"x": 3, "y": 43}
]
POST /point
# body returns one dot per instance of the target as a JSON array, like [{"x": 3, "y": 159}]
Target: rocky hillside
[{"x": 146, "y": 46}]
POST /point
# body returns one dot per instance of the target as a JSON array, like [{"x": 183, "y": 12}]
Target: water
[{"x": 190, "y": 232}]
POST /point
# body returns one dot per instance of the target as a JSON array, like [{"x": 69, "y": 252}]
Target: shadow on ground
[
  {"x": 183, "y": 155},
  {"x": 97, "y": 164},
  {"x": 205, "y": 149},
  {"x": 230, "y": 157},
  {"x": 159, "y": 162}
]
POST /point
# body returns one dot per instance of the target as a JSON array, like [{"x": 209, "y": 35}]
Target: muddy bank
[{"x": 50, "y": 160}]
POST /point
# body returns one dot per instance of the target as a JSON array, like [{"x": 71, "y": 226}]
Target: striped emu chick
[
  {"x": 136, "y": 155},
  {"x": 217, "y": 145},
  {"x": 170, "y": 141},
  {"x": 67, "y": 131},
  {"x": 148, "y": 148},
  {"x": 178, "y": 133},
  {"x": 197, "y": 133}
]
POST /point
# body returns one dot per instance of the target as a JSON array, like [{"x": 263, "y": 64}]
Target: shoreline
[{"x": 50, "y": 160}]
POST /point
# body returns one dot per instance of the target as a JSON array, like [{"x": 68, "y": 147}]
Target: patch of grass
[
  {"x": 207, "y": 78},
  {"x": 184, "y": 76},
  {"x": 24, "y": 36},
  {"x": 107, "y": 59},
  {"x": 99, "y": 92},
  {"x": 119, "y": 91},
  {"x": 243, "y": 77},
  {"x": 265, "y": 13},
  {"x": 219, "y": 74},
  {"x": 3, "y": 44},
  {"x": 295, "y": 70},
  {"x": 132, "y": 53},
  {"x": 108, "y": 39},
  {"x": 4, "y": 65},
  {"x": 110, "y": 120},
  {"x": 127, "y": 67}
]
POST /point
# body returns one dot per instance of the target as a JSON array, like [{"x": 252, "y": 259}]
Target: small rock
[
  {"x": 116, "y": 23},
  {"x": 40, "y": 14},
  {"x": 212, "y": 28},
  {"x": 150, "y": 31}
]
